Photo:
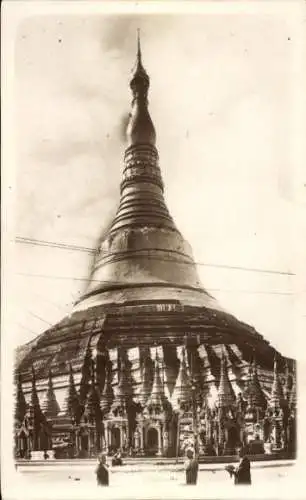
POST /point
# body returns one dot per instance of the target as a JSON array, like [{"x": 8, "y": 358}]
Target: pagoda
[{"x": 148, "y": 362}]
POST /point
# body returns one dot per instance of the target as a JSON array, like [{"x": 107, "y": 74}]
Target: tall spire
[
  {"x": 107, "y": 396},
  {"x": 138, "y": 44},
  {"x": 181, "y": 395},
  {"x": 255, "y": 395},
  {"x": 21, "y": 405},
  {"x": 226, "y": 395},
  {"x": 71, "y": 406},
  {"x": 50, "y": 406},
  {"x": 288, "y": 381},
  {"x": 293, "y": 395},
  {"x": 34, "y": 396},
  {"x": 124, "y": 389},
  {"x": 142, "y": 246},
  {"x": 142, "y": 187},
  {"x": 277, "y": 395},
  {"x": 35, "y": 414},
  {"x": 146, "y": 369},
  {"x": 92, "y": 405},
  {"x": 86, "y": 373},
  {"x": 157, "y": 398},
  {"x": 139, "y": 69}
]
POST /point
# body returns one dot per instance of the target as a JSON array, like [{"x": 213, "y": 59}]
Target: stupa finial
[
  {"x": 140, "y": 129},
  {"x": 138, "y": 46}
]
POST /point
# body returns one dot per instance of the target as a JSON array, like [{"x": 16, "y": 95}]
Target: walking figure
[
  {"x": 191, "y": 468},
  {"x": 102, "y": 472},
  {"x": 241, "y": 473}
]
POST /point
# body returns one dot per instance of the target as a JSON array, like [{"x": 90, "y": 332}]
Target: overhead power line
[
  {"x": 123, "y": 283},
  {"x": 26, "y": 328},
  {"x": 48, "y": 301},
  {"x": 41, "y": 319},
  {"x": 92, "y": 251},
  {"x": 54, "y": 244}
]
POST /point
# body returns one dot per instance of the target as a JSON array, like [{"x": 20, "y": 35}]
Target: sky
[{"x": 222, "y": 98}]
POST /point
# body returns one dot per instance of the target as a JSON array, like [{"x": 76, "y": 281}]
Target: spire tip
[{"x": 138, "y": 45}]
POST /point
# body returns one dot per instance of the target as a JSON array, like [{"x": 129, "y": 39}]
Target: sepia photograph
[{"x": 151, "y": 251}]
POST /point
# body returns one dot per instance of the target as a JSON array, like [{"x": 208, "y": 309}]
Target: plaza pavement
[{"x": 76, "y": 481}]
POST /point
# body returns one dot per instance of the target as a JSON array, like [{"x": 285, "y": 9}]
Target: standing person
[
  {"x": 191, "y": 468},
  {"x": 117, "y": 460},
  {"x": 102, "y": 472},
  {"x": 242, "y": 473}
]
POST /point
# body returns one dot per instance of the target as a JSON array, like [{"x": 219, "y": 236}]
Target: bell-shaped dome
[{"x": 142, "y": 247}]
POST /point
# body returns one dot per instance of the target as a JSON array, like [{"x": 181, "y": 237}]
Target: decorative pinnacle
[
  {"x": 157, "y": 378},
  {"x": 71, "y": 401},
  {"x": 139, "y": 73},
  {"x": 108, "y": 393},
  {"x": 93, "y": 377},
  {"x": 34, "y": 396},
  {"x": 226, "y": 395},
  {"x": 21, "y": 405},
  {"x": 255, "y": 395},
  {"x": 50, "y": 384},
  {"x": 50, "y": 405},
  {"x": 277, "y": 397},
  {"x": 33, "y": 375},
  {"x": 181, "y": 393},
  {"x": 157, "y": 398},
  {"x": 156, "y": 353},
  {"x": 183, "y": 356},
  {"x": 138, "y": 46},
  {"x": 252, "y": 365}
]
